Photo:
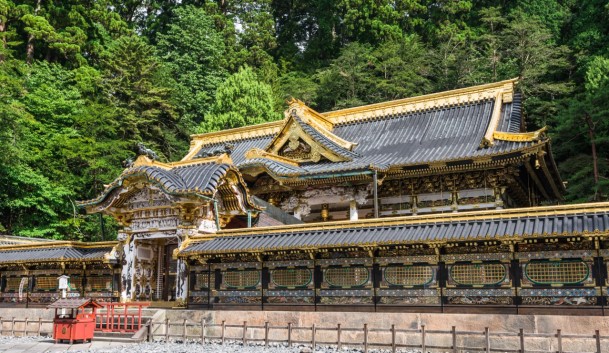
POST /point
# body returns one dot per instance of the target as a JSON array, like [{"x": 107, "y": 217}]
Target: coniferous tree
[{"x": 241, "y": 100}]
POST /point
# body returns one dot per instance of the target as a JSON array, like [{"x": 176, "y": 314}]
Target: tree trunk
[{"x": 29, "y": 49}]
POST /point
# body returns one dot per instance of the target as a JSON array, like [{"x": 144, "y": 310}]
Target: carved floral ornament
[{"x": 300, "y": 202}]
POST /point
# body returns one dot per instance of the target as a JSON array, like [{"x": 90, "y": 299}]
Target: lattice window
[
  {"x": 13, "y": 284},
  {"x": 557, "y": 272},
  {"x": 478, "y": 274},
  {"x": 46, "y": 283},
  {"x": 347, "y": 276},
  {"x": 99, "y": 283},
  {"x": 241, "y": 279},
  {"x": 201, "y": 281},
  {"x": 408, "y": 275},
  {"x": 75, "y": 283},
  {"x": 291, "y": 277}
]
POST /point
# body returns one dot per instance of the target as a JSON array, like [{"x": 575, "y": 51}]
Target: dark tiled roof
[
  {"x": 239, "y": 147},
  {"x": 73, "y": 303},
  {"x": 16, "y": 240},
  {"x": 323, "y": 140},
  {"x": 65, "y": 253},
  {"x": 201, "y": 178},
  {"x": 421, "y": 232},
  {"x": 451, "y": 133}
]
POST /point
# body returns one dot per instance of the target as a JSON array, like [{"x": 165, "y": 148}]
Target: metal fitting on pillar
[{"x": 325, "y": 212}]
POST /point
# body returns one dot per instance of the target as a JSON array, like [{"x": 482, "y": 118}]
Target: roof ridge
[
  {"x": 424, "y": 102},
  {"x": 371, "y": 111}
]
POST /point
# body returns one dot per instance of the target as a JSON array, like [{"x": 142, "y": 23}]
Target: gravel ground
[
  {"x": 161, "y": 347},
  {"x": 5, "y": 340}
]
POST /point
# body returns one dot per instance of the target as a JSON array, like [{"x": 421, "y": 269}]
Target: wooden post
[
  {"x": 423, "y": 347},
  {"x": 13, "y": 327},
  {"x": 393, "y": 338},
  {"x": 313, "y": 338},
  {"x": 149, "y": 331},
  {"x": 289, "y": 334},
  {"x": 454, "y": 332},
  {"x": 184, "y": 331},
  {"x": 244, "y": 333},
  {"x": 2, "y": 326},
  {"x": 487, "y": 338},
  {"x": 597, "y": 335},
  {"x": 266, "y": 334},
  {"x": 365, "y": 338},
  {"x": 338, "y": 341},
  {"x": 521, "y": 340},
  {"x": 25, "y": 327},
  {"x": 559, "y": 339},
  {"x": 202, "y": 331},
  {"x": 223, "y": 330},
  {"x": 39, "y": 325},
  {"x": 167, "y": 330}
]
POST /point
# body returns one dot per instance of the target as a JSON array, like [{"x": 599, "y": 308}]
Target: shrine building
[{"x": 437, "y": 203}]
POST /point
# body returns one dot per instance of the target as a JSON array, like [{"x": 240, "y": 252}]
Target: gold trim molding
[
  {"x": 537, "y": 211},
  {"x": 520, "y": 137}
]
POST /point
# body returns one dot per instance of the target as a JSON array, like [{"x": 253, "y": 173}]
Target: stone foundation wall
[
  {"x": 463, "y": 322},
  {"x": 531, "y": 324}
]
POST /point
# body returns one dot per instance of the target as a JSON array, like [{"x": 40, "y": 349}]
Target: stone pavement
[{"x": 48, "y": 345}]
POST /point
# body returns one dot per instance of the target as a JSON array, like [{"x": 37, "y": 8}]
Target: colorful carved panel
[
  {"x": 475, "y": 256},
  {"x": 383, "y": 261},
  {"x": 346, "y": 297},
  {"x": 479, "y": 296},
  {"x": 290, "y": 296},
  {"x": 239, "y": 297},
  {"x": 409, "y": 296},
  {"x": 559, "y": 296}
]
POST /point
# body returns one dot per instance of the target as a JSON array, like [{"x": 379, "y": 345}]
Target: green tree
[
  {"x": 136, "y": 87},
  {"x": 241, "y": 100},
  {"x": 583, "y": 127},
  {"x": 532, "y": 55},
  {"x": 193, "y": 51}
]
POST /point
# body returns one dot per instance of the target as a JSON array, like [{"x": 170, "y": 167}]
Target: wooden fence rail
[{"x": 365, "y": 337}]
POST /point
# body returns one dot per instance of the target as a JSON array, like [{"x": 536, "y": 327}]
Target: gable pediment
[{"x": 306, "y": 137}]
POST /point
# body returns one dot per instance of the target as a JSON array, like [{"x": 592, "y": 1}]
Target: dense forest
[{"x": 83, "y": 81}]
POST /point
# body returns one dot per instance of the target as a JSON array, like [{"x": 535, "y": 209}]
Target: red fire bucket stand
[{"x": 78, "y": 324}]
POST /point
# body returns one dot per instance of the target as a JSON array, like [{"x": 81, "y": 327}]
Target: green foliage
[
  {"x": 193, "y": 51},
  {"x": 84, "y": 81},
  {"x": 363, "y": 74},
  {"x": 241, "y": 100}
]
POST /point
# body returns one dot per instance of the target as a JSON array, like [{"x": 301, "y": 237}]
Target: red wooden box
[{"x": 78, "y": 323}]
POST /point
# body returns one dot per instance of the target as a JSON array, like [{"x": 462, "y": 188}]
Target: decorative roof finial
[{"x": 143, "y": 151}]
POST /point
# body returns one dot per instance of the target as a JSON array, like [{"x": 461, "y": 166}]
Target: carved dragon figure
[
  {"x": 142, "y": 150},
  {"x": 227, "y": 148}
]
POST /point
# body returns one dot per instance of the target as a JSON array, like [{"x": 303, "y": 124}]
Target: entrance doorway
[{"x": 171, "y": 273}]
